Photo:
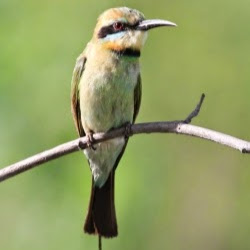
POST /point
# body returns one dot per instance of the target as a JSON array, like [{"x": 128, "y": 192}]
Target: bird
[{"x": 106, "y": 94}]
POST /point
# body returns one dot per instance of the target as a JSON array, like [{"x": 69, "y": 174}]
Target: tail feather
[{"x": 101, "y": 218}]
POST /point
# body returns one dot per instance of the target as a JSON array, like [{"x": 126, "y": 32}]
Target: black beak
[{"x": 153, "y": 23}]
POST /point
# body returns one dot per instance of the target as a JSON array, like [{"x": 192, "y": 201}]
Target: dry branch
[{"x": 178, "y": 127}]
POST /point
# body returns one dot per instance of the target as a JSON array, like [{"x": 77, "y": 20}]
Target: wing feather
[
  {"x": 75, "y": 100},
  {"x": 137, "y": 98}
]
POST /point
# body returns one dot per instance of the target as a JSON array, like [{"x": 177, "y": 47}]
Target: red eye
[{"x": 118, "y": 26}]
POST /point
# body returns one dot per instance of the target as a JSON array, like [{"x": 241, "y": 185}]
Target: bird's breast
[{"x": 107, "y": 94}]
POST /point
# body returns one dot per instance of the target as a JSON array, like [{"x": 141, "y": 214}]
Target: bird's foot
[
  {"x": 128, "y": 130},
  {"x": 90, "y": 140}
]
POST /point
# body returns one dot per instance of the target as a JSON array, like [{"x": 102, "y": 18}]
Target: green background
[{"x": 172, "y": 192}]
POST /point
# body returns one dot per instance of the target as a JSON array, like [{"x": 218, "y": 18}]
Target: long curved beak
[{"x": 154, "y": 23}]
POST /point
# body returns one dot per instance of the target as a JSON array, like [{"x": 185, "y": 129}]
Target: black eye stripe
[
  {"x": 104, "y": 31},
  {"x": 107, "y": 30}
]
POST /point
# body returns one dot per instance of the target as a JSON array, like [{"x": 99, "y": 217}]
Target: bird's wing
[
  {"x": 75, "y": 100},
  {"x": 137, "y": 98}
]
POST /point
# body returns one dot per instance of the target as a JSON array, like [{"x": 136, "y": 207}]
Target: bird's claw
[{"x": 90, "y": 141}]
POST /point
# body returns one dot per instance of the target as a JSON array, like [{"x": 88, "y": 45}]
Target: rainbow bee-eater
[{"x": 106, "y": 94}]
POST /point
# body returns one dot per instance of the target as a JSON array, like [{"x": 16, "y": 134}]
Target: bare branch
[{"x": 178, "y": 127}]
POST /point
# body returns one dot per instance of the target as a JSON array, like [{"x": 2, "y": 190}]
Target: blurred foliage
[{"x": 172, "y": 192}]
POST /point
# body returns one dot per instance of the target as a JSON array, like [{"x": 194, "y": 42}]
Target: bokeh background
[{"x": 172, "y": 192}]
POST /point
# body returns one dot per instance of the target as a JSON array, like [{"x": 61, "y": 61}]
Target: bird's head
[{"x": 121, "y": 29}]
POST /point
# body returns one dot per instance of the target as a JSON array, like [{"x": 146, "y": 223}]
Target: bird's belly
[
  {"x": 106, "y": 105},
  {"x": 105, "y": 110},
  {"x": 107, "y": 101}
]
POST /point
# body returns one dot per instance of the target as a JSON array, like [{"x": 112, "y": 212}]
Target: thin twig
[
  {"x": 196, "y": 110},
  {"x": 178, "y": 127}
]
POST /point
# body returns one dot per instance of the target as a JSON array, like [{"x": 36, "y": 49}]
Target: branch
[{"x": 178, "y": 127}]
